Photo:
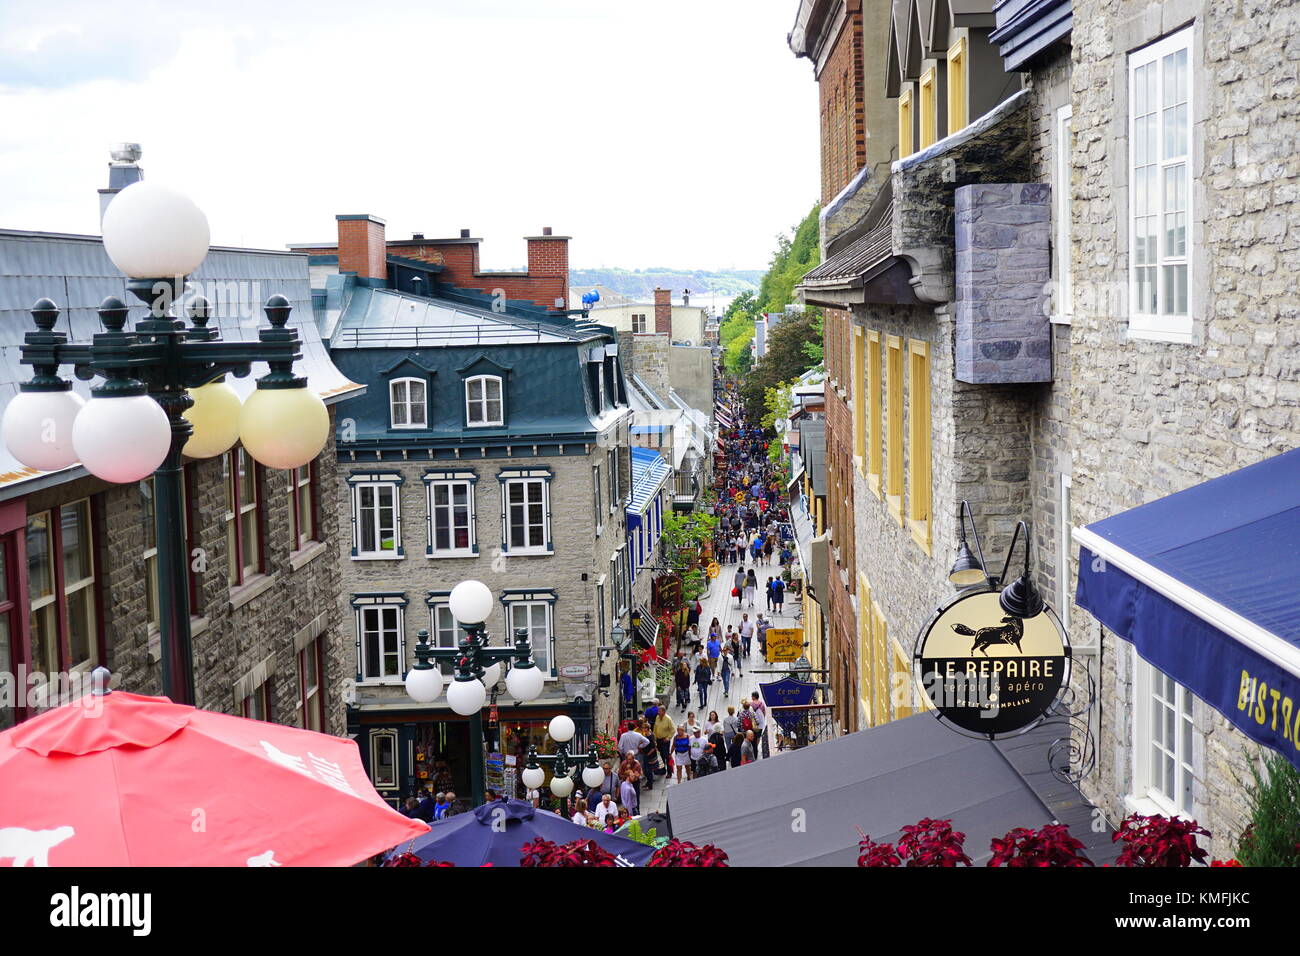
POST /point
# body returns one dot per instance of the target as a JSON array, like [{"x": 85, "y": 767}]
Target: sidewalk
[{"x": 720, "y": 604}]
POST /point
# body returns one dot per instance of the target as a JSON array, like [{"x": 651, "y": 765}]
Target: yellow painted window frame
[
  {"x": 905, "y": 124},
  {"x": 927, "y": 119},
  {"x": 864, "y": 649},
  {"x": 920, "y": 451},
  {"x": 880, "y": 664},
  {"x": 903, "y": 683},
  {"x": 859, "y": 401},
  {"x": 894, "y": 427},
  {"x": 874, "y": 436},
  {"x": 958, "y": 72}
]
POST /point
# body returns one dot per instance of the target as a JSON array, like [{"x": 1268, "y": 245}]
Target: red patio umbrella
[{"x": 121, "y": 779}]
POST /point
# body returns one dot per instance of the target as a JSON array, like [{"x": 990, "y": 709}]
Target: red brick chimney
[
  {"x": 548, "y": 258},
  {"x": 361, "y": 246},
  {"x": 663, "y": 312}
]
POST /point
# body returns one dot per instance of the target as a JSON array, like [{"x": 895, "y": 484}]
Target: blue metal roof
[{"x": 650, "y": 472}]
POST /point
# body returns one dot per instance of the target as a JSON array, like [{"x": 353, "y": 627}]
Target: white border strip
[{"x": 1244, "y": 631}]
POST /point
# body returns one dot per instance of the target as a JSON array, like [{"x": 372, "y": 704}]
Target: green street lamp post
[
  {"x": 477, "y": 667},
  {"x": 163, "y": 395},
  {"x": 561, "y": 730}
]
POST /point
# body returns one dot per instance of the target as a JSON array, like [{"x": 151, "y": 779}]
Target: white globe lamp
[
  {"x": 533, "y": 777},
  {"x": 561, "y": 786},
  {"x": 561, "y": 729},
  {"x": 470, "y": 602},
  {"x": 525, "y": 681},
  {"x": 284, "y": 428},
  {"x": 593, "y": 777},
  {"x": 214, "y": 416},
  {"x": 37, "y": 428},
  {"x": 492, "y": 674},
  {"x": 153, "y": 232},
  {"x": 424, "y": 684},
  {"x": 122, "y": 438},
  {"x": 466, "y": 697}
]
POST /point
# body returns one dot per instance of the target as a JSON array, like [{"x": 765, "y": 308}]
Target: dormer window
[
  {"x": 483, "y": 401},
  {"x": 408, "y": 403}
]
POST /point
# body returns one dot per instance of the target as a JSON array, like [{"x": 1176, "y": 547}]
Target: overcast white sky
[{"x": 676, "y": 133}]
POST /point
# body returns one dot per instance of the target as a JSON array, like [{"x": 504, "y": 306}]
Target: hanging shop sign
[
  {"x": 987, "y": 672},
  {"x": 784, "y": 644}
]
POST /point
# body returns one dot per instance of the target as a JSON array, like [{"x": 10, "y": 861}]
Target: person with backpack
[
  {"x": 707, "y": 762},
  {"x": 746, "y": 716},
  {"x": 778, "y": 593}
]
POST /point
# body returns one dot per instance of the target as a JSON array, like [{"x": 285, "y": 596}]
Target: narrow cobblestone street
[{"x": 720, "y": 604}]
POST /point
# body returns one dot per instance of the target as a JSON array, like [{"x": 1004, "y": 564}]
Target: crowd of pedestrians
[{"x": 690, "y": 738}]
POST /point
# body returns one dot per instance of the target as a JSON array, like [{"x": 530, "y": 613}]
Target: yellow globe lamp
[
  {"x": 214, "y": 416},
  {"x": 284, "y": 427}
]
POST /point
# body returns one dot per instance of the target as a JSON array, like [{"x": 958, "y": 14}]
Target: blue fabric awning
[
  {"x": 1206, "y": 585},
  {"x": 650, "y": 472}
]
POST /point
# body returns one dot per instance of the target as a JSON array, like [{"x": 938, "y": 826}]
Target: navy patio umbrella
[{"x": 496, "y": 832}]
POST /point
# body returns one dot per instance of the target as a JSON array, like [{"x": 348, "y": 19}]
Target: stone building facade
[
  {"x": 493, "y": 444},
  {"x": 834, "y": 36},
  {"x": 1154, "y": 411}
]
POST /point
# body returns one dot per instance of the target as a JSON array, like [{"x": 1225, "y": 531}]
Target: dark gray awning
[{"x": 878, "y": 780}]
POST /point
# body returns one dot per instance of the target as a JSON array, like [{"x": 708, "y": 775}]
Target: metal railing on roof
[{"x": 421, "y": 336}]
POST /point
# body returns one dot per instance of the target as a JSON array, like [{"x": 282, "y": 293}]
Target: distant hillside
[{"x": 639, "y": 284}]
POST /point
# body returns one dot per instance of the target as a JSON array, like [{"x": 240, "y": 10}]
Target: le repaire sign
[{"x": 987, "y": 672}]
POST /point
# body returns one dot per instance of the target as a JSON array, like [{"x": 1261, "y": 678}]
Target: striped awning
[{"x": 648, "y": 630}]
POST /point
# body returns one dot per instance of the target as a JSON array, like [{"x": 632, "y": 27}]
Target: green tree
[
  {"x": 786, "y": 359},
  {"x": 794, "y": 256},
  {"x": 1273, "y": 837},
  {"x": 816, "y": 350},
  {"x": 737, "y": 358}
]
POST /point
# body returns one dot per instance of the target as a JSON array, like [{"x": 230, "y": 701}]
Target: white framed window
[
  {"x": 259, "y": 704},
  {"x": 302, "y": 506},
  {"x": 408, "y": 403},
  {"x": 535, "y": 616},
  {"x": 451, "y": 517},
  {"x": 601, "y": 633},
  {"x": 526, "y": 514},
  {"x": 484, "y": 404},
  {"x": 443, "y": 630},
  {"x": 1063, "y": 305},
  {"x": 383, "y": 759},
  {"x": 380, "y": 639},
  {"x": 1064, "y": 594},
  {"x": 1160, "y": 189},
  {"x": 376, "y": 510},
  {"x": 615, "y": 494},
  {"x": 638, "y": 323},
  {"x": 312, "y": 714},
  {"x": 619, "y": 587},
  {"x": 1163, "y": 735},
  {"x": 595, "y": 499}
]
